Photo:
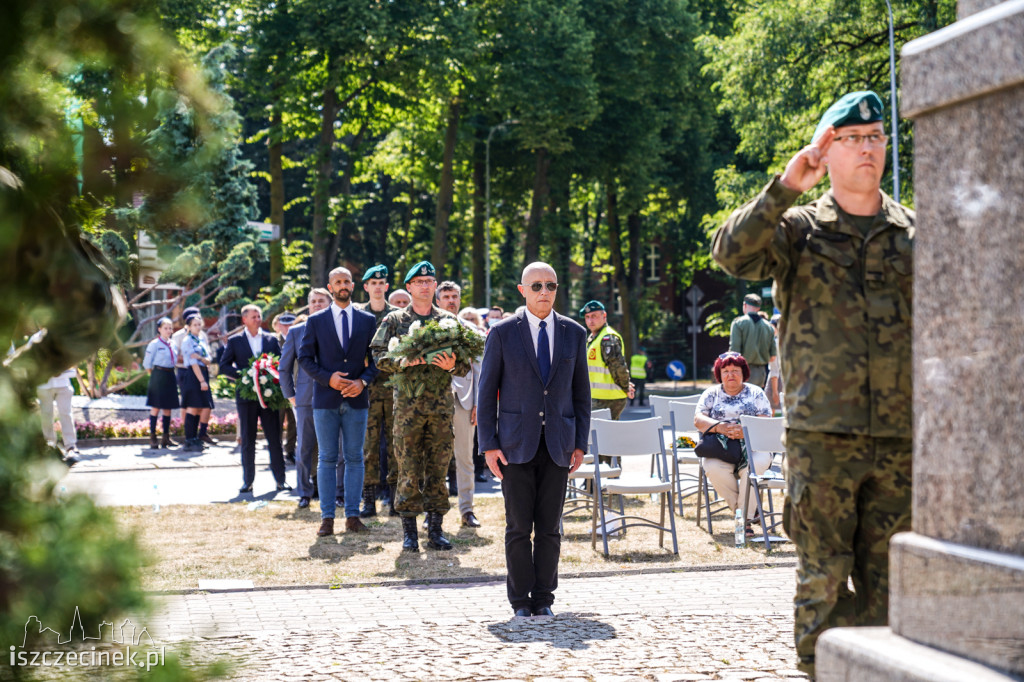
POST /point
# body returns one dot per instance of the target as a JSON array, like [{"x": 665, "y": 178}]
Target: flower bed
[{"x": 120, "y": 428}]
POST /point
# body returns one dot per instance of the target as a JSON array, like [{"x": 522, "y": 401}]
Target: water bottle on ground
[
  {"x": 741, "y": 538},
  {"x": 156, "y": 499}
]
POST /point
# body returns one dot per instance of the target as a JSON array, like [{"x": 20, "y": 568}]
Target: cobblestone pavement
[{"x": 718, "y": 625}]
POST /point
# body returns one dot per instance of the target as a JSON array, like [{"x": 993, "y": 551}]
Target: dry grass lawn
[{"x": 277, "y": 545}]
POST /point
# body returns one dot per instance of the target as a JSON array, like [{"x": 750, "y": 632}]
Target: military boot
[
  {"x": 166, "y": 442},
  {"x": 434, "y": 538},
  {"x": 369, "y": 501},
  {"x": 391, "y": 502},
  {"x": 152, "y": 442},
  {"x": 410, "y": 542}
]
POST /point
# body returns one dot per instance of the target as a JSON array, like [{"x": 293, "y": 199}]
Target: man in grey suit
[
  {"x": 297, "y": 386},
  {"x": 537, "y": 362},
  {"x": 464, "y": 388}
]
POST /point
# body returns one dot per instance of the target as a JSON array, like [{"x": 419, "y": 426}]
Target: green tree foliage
[{"x": 56, "y": 555}]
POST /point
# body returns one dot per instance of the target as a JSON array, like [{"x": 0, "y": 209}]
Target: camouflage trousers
[
  {"x": 616, "y": 406},
  {"x": 847, "y": 496},
  {"x": 423, "y": 447},
  {"x": 379, "y": 427}
]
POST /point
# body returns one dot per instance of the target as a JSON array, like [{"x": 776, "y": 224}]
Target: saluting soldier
[
  {"x": 609, "y": 374},
  {"x": 423, "y": 424},
  {"x": 843, "y": 271},
  {"x": 382, "y": 405}
]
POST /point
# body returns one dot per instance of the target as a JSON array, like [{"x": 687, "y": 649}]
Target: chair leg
[
  {"x": 661, "y": 523},
  {"x": 707, "y": 502},
  {"x": 672, "y": 525},
  {"x": 604, "y": 521},
  {"x": 593, "y": 525}
]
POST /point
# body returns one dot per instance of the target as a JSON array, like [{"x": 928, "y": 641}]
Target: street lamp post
[
  {"x": 895, "y": 116},
  {"x": 487, "y": 211}
]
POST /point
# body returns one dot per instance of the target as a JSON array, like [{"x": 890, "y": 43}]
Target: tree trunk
[
  {"x": 541, "y": 190},
  {"x": 590, "y": 245},
  {"x": 275, "y": 154},
  {"x": 446, "y": 194},
  {"x": 561, "y": 240},
  {"x": 635, "y": 276},
  {"x": 322, "y": 188},
  {"x": 479, "y": 213},
  {"x": 620, "y": 276}
]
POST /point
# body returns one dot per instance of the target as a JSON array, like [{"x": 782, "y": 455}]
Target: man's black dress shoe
[
  {"x": 303, "y": 502},
  {"x": 245, "y": 489},
  {"x": 283, "y": 486},
  {"x": 543, "y": 611},
  {"x": 523, "y": 613}
]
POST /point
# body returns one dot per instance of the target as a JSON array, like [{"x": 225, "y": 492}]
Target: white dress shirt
[
  {"x": 255, "y": 342},
  {"x": 535, "y": 331},
  {"x": 338, "y": 312}
]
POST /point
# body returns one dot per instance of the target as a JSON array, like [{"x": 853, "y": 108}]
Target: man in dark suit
[
  {"x": 335, "y": 352},
  {"x": 537, "y": 362},
  {"x": 297, "y": 386},
  {"x": 240, "y": 348}
]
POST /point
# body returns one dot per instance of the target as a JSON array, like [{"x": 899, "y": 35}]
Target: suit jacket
[
  {"x": 295, "y": 383},
  {"x": 561, "y": 407},
  {"x": 237, "y": 353},
  {"x": 321, "y": 355}
]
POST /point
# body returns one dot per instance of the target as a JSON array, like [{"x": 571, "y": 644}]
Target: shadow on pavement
[{"x": 564, "y": 631}]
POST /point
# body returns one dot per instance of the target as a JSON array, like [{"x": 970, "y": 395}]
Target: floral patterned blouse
[{"x": 719, "y": 405}]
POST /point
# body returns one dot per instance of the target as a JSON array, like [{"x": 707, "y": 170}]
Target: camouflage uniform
[
  {"x": 615, "y": 360},
  {"x": 423, "y": 435},
  {"x": 845, "y": 341},
  {"x": 382, "y": 409}
]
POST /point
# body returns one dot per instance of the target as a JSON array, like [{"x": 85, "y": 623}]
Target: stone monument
[{"x": 957, "y": 581}]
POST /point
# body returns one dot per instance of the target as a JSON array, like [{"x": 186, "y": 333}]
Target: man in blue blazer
[
  {"x": 537, "y": 363},
  {"x": 297, "y": 386},
  {"x": 240, "y": 348},
  {"x": 335, "y": 352}
]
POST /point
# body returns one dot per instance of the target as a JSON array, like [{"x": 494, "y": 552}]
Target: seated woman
[{"x": 719, "y": 409}]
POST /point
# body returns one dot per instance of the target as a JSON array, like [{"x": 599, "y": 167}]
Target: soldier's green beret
[
  {"x": 376, "y": 272},
  {"x": 591, "y": 307},
  {"x": 852, "y": 109},
  {"x": 421, "y": 269}
]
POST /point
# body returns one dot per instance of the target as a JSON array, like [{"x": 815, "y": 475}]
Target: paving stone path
[{"x": 711, "y": 625}]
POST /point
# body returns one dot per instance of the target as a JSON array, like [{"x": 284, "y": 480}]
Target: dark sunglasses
[{"x": 537, "y": 286}]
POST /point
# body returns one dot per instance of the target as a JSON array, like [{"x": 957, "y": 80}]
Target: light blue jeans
[{"x": 351, "y": 424}]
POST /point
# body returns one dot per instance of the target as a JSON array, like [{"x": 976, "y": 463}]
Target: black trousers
[
  {"x": 249, "y": 411},
  {"x": 534, "y": 494}
]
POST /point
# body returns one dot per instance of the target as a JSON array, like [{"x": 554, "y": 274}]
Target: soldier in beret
[
  {"x": 609, "y": 373},
  {"x": 843, "y": 271},
  {"x": 423, "y": 424},
  {"x": 382, "y": 405}
]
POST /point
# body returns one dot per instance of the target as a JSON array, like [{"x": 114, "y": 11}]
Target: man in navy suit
[
  {"x": 242, "y": 347},
  {"x": 335, "y": 352},
  {"x": 537, "y": 362},
  {"x": 297, "y": 386}
]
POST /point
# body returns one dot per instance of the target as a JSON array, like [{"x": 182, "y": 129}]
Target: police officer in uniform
[
  {"x": 423, "y": 435},
  {"x": 382, "y": 405},
  {"x": 609, "y": 375},
  {"x": 843, "y": 271}
]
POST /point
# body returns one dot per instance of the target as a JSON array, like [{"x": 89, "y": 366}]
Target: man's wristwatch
[{"x": 364, "y": 383}]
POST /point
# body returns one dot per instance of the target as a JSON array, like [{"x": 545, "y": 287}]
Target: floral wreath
[
  {"x": 426, "y": 341},
  {"x": 263, "y": 372}
]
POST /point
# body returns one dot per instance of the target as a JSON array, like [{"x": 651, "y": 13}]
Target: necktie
[
  {"x": 344, "y": 331},
  {"x": 543, "y": 354}
]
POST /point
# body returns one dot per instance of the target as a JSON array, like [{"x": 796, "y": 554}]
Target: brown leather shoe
[
  {"x": 469, "y": 519},
  {"x": 326, "y": 528},
  {"x": 354, "y": 525}
]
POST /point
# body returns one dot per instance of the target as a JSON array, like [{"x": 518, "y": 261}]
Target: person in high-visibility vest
[
  {"x": 639, "y": 366},
  {"x": 609, "y": 375}
]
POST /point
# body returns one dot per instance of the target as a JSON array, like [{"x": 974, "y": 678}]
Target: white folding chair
[
  {"x": 580, "y": 487},
  {"x": 681, "y": 423},
  {"x": 632, "y": 442},
  {"x": 764, "y": 434}
]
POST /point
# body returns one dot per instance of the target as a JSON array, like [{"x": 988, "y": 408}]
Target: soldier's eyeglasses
[
  {"x": 855, "y": 141},
  {"x": 729, "y": 354},
  {"x": 537, "y": 286}
]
